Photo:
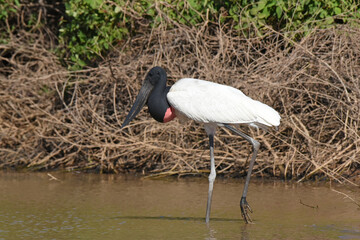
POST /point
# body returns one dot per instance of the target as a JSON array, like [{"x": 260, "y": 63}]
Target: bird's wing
[{"x": 205, "y": 101}]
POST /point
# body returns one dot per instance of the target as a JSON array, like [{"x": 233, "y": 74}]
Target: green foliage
[
  {"x": 92, "y": 27},
  {"x": 294, "y": 16},
  {"x": 27, "y": 18},
  {"x": 8, "y": 9}
]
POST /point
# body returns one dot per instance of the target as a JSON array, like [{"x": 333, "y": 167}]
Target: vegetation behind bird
[{"x": 52, "y": 118}]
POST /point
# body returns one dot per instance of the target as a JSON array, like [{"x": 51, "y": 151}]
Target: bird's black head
[
  {"x": 156, "y": 75},
  {"x": 155, "y": 78}
]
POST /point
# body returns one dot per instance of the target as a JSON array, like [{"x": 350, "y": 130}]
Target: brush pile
[{"x": 52, "y": 118}]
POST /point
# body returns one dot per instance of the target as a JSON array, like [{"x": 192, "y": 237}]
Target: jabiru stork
[{"x": 211, "y": 104}]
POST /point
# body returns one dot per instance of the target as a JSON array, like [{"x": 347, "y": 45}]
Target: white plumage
[{"x": 210, "y": 102}]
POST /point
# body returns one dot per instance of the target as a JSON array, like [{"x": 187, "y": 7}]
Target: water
[{"x": 88, "y": 206}]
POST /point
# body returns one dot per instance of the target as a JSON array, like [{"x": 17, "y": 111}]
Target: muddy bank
[{"x": 51, "y": 118}]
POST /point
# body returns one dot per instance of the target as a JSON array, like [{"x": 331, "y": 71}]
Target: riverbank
[{"x": 53, "y": 118}]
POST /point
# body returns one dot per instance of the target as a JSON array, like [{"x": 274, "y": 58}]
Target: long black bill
[{"x": 140, "y": 101}]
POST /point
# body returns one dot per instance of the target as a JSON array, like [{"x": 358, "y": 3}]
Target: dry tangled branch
[{"x": 51, "y": 118}]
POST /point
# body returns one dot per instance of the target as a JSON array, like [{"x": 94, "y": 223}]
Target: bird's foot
[{"x": 245, "y": 207}]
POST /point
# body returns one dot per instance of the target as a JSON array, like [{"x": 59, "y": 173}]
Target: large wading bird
[{"x": 211, "y": 104}]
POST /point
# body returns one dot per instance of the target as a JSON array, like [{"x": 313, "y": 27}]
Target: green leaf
[
  {"x": 253, "y": 11},
  {"x": 261, "y": 5},
  {"x": 264, "y": 14},
  {"x": 337, "y": 10},
  {"x": 94, "y": 3},
  {"x": 329, "y": 20},
  {"x": 272, "y": 3},
  {"x": 194, "y": 4},
  {"x": 117, "y": 9},
  {"x": 151, "y": 12},
  {"x": 278, "y": 12}
]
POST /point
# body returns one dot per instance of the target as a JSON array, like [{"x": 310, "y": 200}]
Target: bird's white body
[{"x": 210, "y": 102}]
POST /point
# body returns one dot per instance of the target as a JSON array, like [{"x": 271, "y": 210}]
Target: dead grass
[{"x": 54, "y": 119}]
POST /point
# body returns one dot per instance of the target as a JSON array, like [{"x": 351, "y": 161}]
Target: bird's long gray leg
[
  {"x": 244, "y": 206},
  {"x": 210, "y": 130}
]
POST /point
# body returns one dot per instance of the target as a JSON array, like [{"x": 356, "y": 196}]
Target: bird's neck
[{"x": 158, "y": 105}]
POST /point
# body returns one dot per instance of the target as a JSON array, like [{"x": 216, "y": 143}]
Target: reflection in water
[
  {"x": 212, "y": 233},
  {"x": 88, "y": 206},
  {"x": 244, "y": 233},
  {"x": 178, "y": 218}
]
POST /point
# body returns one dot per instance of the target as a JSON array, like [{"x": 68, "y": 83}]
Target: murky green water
[{"x": 87, "y": 206}]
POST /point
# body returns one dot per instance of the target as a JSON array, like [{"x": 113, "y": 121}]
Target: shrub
[{"x": 90, "y": 28}]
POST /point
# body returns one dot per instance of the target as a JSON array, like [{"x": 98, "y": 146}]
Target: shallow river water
[{"x": 89, "y": 206}]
